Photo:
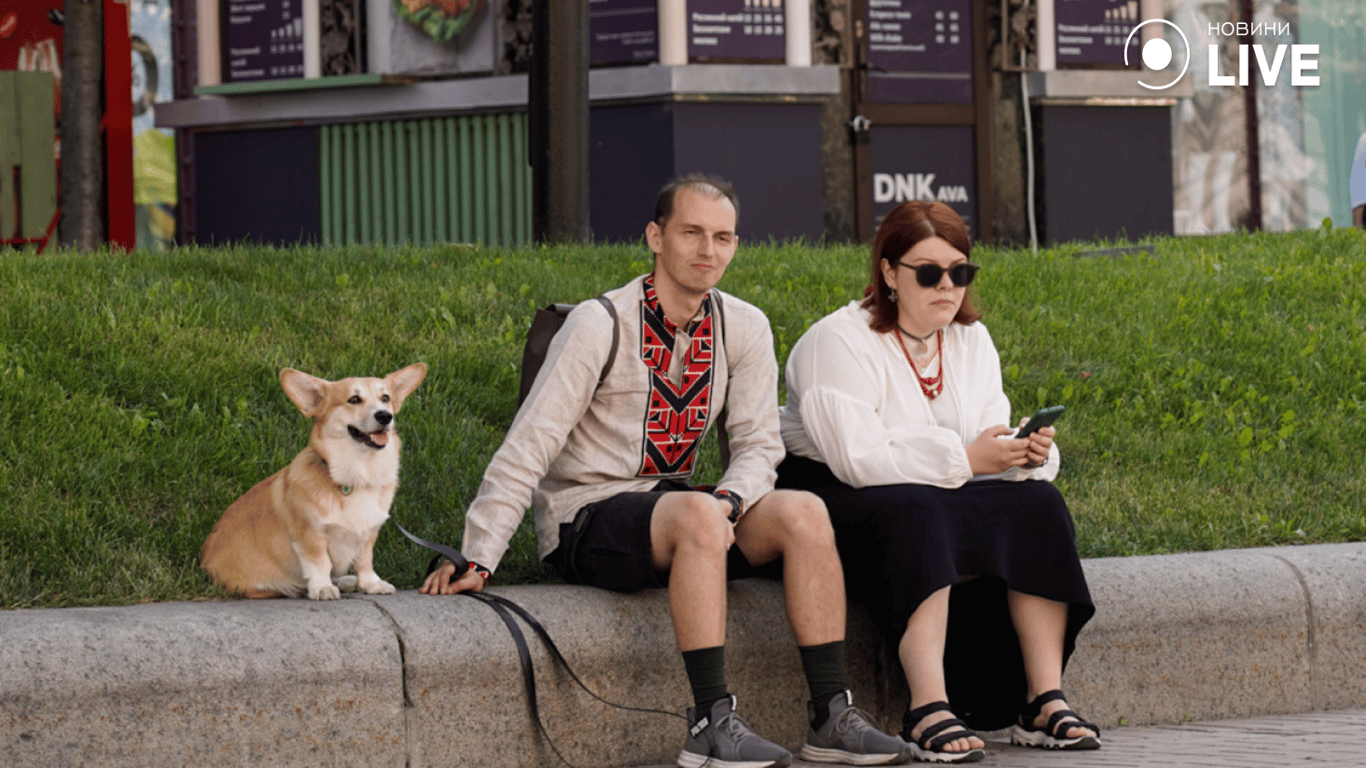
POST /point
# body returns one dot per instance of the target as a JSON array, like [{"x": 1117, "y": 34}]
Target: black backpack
[
  {"x": 547, "y": 322},
  {"x": 544, "y": 325}
]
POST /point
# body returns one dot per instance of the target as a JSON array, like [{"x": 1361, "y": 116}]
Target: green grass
[{"x": 1215, "y": 390}]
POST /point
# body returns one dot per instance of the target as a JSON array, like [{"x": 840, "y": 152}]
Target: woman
[{"x": 896, "y": 418}]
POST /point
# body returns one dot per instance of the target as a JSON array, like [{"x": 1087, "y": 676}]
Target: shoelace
[
  {"x": 855, "y": 720},
  {"x": 733, "y": 726}
]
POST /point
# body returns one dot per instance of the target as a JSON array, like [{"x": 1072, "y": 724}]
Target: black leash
[{"x": 505, "y": 609}]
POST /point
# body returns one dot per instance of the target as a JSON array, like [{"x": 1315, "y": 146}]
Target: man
[
  {"x": 605, "y": 467},
  {"x": 1357, "y": 184}
]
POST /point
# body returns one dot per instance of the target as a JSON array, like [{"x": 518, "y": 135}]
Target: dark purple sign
[
  {"x": 264, "y": 40},
  {"x": 920, "y": 51},
  {"x": 1092, "y": 32},
  {"x": 924, "y": 163},
  {"x": 623, "y": 32},
  {"x": 736, "y": 30}
]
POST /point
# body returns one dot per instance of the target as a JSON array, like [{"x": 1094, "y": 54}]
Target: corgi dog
[{"x": 293, "y": 532}]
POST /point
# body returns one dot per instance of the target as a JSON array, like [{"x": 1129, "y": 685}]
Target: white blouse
[{"x": 853, "y": 403}]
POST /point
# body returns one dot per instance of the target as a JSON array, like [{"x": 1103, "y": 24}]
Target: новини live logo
[{"x": 1157, "y": 55}]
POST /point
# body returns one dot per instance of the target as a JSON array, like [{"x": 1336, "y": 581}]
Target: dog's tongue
[{"x": 379, "y": 438}]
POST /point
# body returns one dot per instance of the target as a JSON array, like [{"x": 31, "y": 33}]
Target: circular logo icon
[
  {"x": 8, "y": 24},
  {"x": 1157, "y": 53}
]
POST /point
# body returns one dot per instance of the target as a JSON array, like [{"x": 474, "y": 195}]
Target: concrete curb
[{"x": 410, "y": 680}]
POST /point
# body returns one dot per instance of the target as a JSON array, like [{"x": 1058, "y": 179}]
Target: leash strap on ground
[{"x": 505, "y": 608}]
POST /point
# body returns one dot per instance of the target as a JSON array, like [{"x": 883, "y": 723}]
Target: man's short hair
[{"x": 713, "y": 187}]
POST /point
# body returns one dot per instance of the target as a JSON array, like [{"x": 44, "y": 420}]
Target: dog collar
[{"x": 345, "y": 489}]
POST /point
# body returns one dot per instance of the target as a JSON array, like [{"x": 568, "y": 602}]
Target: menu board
[
  {"x": 737, "y": 30},
  {"x": 920, "y": 51},
  {"x": 1092, "y": 32},
  {"x": 263, "y": 40},
  {"x": 623, "y": 32},
  {"x": 930, "y": 163}
]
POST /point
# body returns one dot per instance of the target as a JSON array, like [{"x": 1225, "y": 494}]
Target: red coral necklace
[{"x": 932, "y": 386}]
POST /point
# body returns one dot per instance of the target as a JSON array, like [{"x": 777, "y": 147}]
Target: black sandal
[
  {"x": 1051, "y": 736},
  {"x": 929, "y": 747}
]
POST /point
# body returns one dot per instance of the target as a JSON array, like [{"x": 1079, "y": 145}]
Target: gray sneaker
[
  {"x": 723, "y": 740},
  {"x": 849, "y": 737}
]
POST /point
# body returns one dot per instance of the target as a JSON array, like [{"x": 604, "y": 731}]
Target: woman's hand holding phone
[
  {"x": 1039, "y": 444},
  {"x": 995, "y": 451}
]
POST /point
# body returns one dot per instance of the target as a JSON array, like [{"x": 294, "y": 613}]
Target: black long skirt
[{"x": 902, "y": 543}]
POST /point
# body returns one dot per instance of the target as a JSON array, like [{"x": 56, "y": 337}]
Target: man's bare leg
[{"x": 795, "y": 526}]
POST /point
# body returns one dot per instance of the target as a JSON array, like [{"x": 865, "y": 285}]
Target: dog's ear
[
  {"x": 309, "y": 393},
  {"x": 402, "y": 383}
]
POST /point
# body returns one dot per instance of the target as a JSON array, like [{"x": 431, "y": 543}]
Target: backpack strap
[{"x": 616, "y": 338}]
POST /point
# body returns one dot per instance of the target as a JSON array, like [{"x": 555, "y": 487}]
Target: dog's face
[{"x": 358, "y": 409}]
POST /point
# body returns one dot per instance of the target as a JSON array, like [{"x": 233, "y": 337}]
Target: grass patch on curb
[{"x": 1215, "y": 389}]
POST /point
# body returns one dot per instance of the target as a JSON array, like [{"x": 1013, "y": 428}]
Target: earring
[{"x": 891, "y": 295}]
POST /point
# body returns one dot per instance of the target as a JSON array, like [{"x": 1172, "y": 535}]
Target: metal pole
[
  {"x": 1254, "y": 140},
  {"x": 82, "y": 172},
  {"x": 558, "y": 107}
]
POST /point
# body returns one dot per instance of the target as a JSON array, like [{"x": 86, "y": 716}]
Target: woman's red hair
[{"x": 908, "y": 224}]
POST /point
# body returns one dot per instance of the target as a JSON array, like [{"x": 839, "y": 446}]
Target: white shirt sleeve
[
  {"x": 756, "y": 445},
  {"x": 558, "y": 399},
  {"x": 843, "y": 392}
]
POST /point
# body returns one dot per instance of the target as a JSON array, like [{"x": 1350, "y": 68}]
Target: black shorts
[{"x": 608, "y": 545}]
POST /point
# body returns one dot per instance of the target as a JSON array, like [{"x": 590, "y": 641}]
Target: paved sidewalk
[{"x": 1316, "y": 740}]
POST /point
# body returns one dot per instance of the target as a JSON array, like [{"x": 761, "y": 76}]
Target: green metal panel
[
  {"x": 376, "y": 189},
  {"x": 363, "y": 184},
  {"x": 338, "y": 211},
  {"x": 466, "y": 184},
  {"x": 477, "y": 135},
  {"x": 428, "y": 184},
  {"x": 339, "y": 186},
  {"x": 401, "y": 178},
  {"x": 390, "y": 185},
  {"x": 325, "y": 182},
  {"x": 427, "y": 180},
  {"x": 414, "y": 153},
  {"x": 521, "y": 187},
  {"x": 351, "y": 208},
  {"x": 506, "y": 216},
  {"x": 441, "y": 142}
]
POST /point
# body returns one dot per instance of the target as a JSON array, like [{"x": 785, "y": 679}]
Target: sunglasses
[{"x": 929, "y": 275}]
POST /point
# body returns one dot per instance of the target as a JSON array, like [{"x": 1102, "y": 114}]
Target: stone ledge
[{"x": 410, "y": 680}]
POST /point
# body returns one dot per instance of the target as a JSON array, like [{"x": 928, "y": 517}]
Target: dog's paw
[
  {"x": 346, "y": 583},
  {"x": 324, "y": 592},
  {"x": 376, "y": 586}
]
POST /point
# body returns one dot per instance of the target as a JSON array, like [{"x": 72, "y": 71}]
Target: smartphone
[{"x": 1042, "y": 418}]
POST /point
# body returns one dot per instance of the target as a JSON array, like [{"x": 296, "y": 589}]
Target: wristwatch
[{"x": 737, "y": 505}]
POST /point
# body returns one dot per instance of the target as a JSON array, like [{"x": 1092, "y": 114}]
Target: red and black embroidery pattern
[{"x": 677, "y": 415}]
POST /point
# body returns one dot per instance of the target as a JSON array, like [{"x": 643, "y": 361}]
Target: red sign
[{"x": 28, "y": 38}]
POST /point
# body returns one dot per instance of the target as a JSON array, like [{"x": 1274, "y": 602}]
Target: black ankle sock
[
  {"x": 824, "y": 667},
  {"x": 706, "y": 668}
]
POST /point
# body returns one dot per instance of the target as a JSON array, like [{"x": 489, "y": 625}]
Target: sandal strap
[
  {"x": 933, "y": 737},
  {"x": 1065, "y": 720},
  {"x": 1033, "y": 708},
  {"x": 916, "y": 715}
]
